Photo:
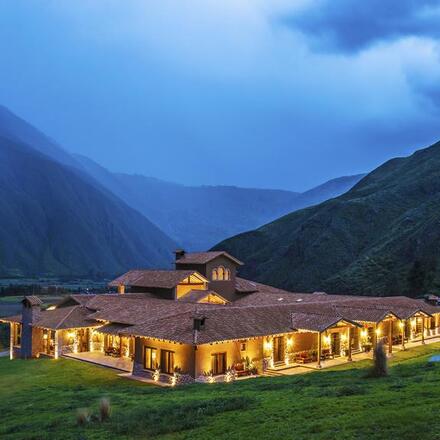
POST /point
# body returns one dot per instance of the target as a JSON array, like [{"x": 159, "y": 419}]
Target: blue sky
[{"x": 274, "y": 94}]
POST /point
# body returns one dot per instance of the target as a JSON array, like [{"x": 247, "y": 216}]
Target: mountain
[
  {"x": 15, "y": 128},
  {"x": 382, "y": 237},
  {"x": 54, "y": 222},
  {"x": 199, "y": 217}
]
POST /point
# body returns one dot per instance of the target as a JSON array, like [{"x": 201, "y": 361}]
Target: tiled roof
[
  {"x": 267, "y": 311},
  {"x": 166, "y": 279},
  {"x": 317, "y": 322},
  {"x": 33, "y": 300},
  {"x": 126, "y": 309},
  {"x": 64, "y": 318},
  {"x": 111, "y": 329},
  {"x": 245, "y": 286},
  {"x": 205, "y": 257},
  {"x": 14, "y": 318}
]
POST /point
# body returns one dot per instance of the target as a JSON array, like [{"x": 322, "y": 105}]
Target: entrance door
[
  {"x": 48, "y": 342},
  {"x": 336, "y": 343},
  {"x": 278, "y": 349},
  {"x": 83, "y": 340},
  {"x": 355, "y": 345}
]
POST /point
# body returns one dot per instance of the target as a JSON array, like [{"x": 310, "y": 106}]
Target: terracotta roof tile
[
  {"x": 112, "y": 329},
  {"x": 64, "y": 318},
  {"x": 33, "y": 300},
  {"x": 152, "y": 278},
  {"x": 317, "y": 322},
  {"x": 14, "y": 318},
  {"x": 205, "y": 257}
]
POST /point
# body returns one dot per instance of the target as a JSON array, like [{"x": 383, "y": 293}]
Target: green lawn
[{"x": 39, "y": 400}]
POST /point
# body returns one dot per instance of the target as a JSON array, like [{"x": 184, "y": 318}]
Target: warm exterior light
[
  {"x": 156, "y": 375},
  {"x": 45, "y": 336},
  {"x": 343, "y": 337},
  {"x": 401, "y": 324},
  {"x": 289, "y": 342},
  {"x": 377, "y": 331},
  {"x": 229, "y": 376},
  {"x": 268, "y": 345},
  {"x": 173, "y": 379}
]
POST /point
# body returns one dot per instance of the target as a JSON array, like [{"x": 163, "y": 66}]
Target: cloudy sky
[{"x": 255, "y": 93}]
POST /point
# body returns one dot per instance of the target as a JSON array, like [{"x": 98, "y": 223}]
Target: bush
[
  {"x": 82, "y": 416},
  {"x": 380, "y": 362},
  {"x": 104, "y": 409}
]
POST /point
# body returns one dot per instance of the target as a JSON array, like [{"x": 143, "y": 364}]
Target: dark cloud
[{"x": 352, "y": 25}]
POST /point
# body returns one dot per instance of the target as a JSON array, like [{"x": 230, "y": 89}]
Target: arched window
[
  {"x": 227, "y": 274},
  {"x": 214, "y": 275},
  {"x": 221, "y": 273}
]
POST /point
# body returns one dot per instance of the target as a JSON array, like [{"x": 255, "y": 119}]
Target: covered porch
[
  {"x": 101, "y": 345},
  {"x": 99, "y": 358}
]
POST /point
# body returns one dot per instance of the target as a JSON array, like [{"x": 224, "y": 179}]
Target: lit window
[
  {"x": 221, "y": 273},
  {"x": 214, "y": 275},
  {"x": 218, "y": 363},
  {"x": 150, "y": 358},
  {"x": 167, "y": 361},
  {"x": 227, "y": 274}
]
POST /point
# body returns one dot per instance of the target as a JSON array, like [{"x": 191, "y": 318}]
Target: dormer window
[{"x": 221, "y": 274}]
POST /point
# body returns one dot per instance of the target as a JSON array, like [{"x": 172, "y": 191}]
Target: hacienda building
[{"x": 201, "y": 322}]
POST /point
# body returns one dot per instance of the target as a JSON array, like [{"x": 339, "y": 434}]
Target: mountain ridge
[
  {"x": 54, "y": 222},
  {"x": 199, "y": 216},
  {"x": 377, "y": 238}
]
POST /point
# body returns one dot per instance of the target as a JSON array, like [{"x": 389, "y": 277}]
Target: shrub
[
  {"x": 82, "y": 416},
  {"x": 104, "y": 409},
  {"x": 380, "y": 367}
]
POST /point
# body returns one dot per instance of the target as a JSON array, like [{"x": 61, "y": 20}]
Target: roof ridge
[{"x": 71, "y": 311}]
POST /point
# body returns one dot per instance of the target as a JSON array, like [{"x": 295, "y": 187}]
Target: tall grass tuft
[
  {"x": 104, "y": 409},
  {"x": 82, "y": 416},
  {"x": 380, "y": 365}
]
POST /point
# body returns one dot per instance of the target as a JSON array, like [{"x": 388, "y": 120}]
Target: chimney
[
  {"x": 199, "y": 323},
  {"x": 30, "y": 313},
  {"x": 179, "y": 253}
]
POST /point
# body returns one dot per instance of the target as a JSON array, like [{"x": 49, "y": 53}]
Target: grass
[{"x": 40, "y": 399}]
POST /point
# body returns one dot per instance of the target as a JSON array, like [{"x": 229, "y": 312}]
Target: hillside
[
  {"x": 55, "y": 222},
  {"x": 382, "y": 237},
  {"x": 199, "y": 217}
]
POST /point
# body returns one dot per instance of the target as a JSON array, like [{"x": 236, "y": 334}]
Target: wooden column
[
  {"x": 423, "y": 329},
  {"x": 403, "y": 333},
  {"x": 13, "y": 328},
  {"x": 319, "y": 349},
  {"x": 349, "y": 344},
  {"x": 390, "y": 336}
]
